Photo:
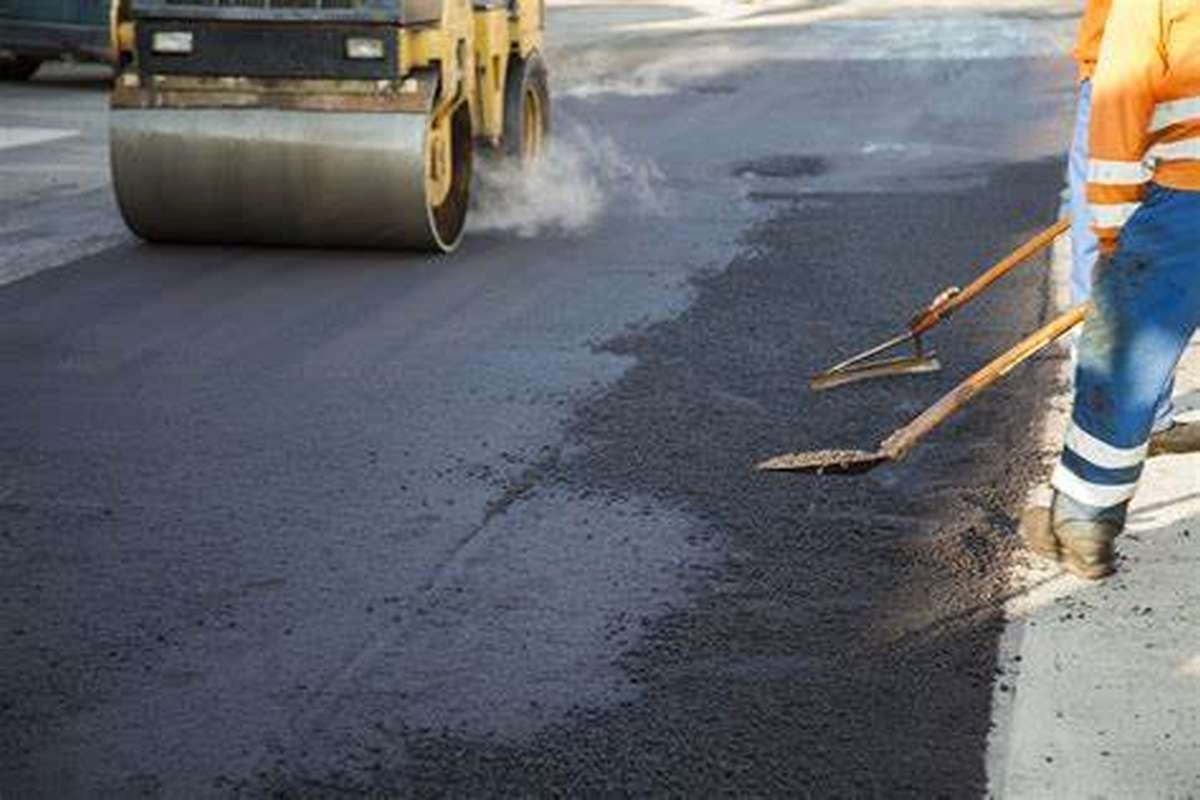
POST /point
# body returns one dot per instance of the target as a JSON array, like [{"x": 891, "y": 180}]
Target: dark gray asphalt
[{"x": 313, "y": 523}]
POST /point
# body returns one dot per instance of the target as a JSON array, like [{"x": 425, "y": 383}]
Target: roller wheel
[
  {"x": 18, "y": 68},
  {"x": 526, "y": 109},
  {"x": 449, "y": 211}
]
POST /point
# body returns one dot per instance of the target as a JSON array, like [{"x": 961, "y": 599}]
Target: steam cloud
[
  {"x": 597, "y": 74},
  {"x": 568, "y": 189}
]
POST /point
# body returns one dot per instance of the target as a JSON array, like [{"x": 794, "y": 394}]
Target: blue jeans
[
  {"x": 1147, "y": 308},
  {"x": 1085, "y": 249}
]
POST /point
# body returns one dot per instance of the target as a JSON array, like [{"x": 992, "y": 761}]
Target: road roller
[{"x": 324, "y": 123}]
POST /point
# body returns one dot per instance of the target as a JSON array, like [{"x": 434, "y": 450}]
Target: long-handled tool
[
  {"x": 868, "y": 364},
  {"x": 896, "y": 446}
]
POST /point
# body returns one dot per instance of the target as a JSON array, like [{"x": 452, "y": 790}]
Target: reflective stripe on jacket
[{"x": 1145, "y": 109}]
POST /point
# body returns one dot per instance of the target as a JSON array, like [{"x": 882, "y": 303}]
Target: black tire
[
  {"x": 450, "y": 217},
  {"x": 18, "y": 68},
  {"x": 526, "y": 91}
]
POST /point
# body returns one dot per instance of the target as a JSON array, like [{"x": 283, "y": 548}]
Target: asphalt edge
[{"x": 1032, "y": 584}]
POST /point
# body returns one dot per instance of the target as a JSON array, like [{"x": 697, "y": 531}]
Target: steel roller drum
[{"x": 276, "y": 177}]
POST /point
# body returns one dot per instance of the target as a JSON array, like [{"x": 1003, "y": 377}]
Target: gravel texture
[
  {"x": 309, "y": 523},
  {"x": 847, "y": 645}
]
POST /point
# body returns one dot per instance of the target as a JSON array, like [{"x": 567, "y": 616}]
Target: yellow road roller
[{"x": 323, "y": 123}]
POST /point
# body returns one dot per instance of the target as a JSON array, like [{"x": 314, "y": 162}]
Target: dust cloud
[
  {"x": 598, "y": 73},
  {"x": 568, "y": 190}
]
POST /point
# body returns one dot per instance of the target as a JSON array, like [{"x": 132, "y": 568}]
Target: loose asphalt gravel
[
  {"x": 846, "y": 646},
  {"x": 320, "y": 524}
]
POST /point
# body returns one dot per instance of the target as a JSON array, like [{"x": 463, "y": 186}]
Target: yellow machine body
[{"x": 320, "y": 122}]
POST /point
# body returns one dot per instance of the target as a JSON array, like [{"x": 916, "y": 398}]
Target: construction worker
[
  {"x": 1168, "y": 437},
  {"x": 1144, "y": 193}
]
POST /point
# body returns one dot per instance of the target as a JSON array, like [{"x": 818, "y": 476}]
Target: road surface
[{"x": 317, "y": 523}]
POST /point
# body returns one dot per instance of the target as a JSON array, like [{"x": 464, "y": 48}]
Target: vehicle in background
[
  {"x": 34, "y": 31},
  {"x": 322, "y": 123}
]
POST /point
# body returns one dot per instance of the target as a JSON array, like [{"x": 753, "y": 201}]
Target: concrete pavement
[
  {"x": 1099, "y": 692},
  {"x": 55, "y": 202}
]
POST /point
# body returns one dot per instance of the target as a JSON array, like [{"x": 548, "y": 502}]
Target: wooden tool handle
[
  {"x": 949, "y": 302},
  {"x": 899, "y": 443}
]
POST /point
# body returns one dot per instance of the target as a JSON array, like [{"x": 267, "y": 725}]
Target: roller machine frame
[{"x": 319, "y": 122}]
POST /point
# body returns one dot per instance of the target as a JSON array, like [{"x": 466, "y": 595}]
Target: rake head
[
  {"x": 885, "y": 368},
  {"x": 869, "y": 364}
]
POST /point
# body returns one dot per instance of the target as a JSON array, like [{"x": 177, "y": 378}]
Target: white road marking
[{"x": 21, "y": 137}]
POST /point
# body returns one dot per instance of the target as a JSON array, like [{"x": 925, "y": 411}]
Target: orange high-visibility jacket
[
  {"x": 1091, "y": 30},
  {"x": 1145, "y": 109}
]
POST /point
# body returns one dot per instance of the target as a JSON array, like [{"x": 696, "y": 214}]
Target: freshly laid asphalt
[{"x": 311, "y": 523}]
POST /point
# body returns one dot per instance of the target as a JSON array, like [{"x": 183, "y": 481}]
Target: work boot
[
  {"x": 1086, "y": 547},
  {"x": 1036, "y": 529},
  {"x": 1180, "y": 437},
  {"x": 1082, "y": 541}
]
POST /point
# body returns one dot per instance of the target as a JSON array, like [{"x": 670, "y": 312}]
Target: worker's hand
[{"x": 945, "y": 297}]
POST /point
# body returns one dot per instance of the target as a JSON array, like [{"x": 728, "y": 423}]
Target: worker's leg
[
  {"x": 1084, "y": 247},
  {"x": 1147, "y": 307},
  {"x": 1085, "y": 250}
]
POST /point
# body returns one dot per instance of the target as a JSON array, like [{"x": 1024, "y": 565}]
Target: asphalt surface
[{"x": 311, "y": 523}]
